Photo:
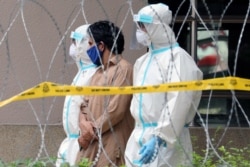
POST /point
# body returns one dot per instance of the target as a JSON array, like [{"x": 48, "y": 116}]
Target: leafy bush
[
  {"x": 232, "y": 157},
  {"x": 43, "y": 162}
]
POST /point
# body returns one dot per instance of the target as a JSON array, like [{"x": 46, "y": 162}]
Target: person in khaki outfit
[{"x": 105, "y": 120}]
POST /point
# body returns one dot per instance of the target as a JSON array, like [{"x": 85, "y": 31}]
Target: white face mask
[
  {"x": 142, "y": 37},
  {"x": 72, "y": 51},
  {"x": 82, "y": 52}
]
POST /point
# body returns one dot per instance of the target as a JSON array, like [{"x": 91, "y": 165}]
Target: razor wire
[{"x": 19, "y": 14}]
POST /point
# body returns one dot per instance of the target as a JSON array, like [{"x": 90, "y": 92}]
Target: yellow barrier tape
[{"x": 47, "y": 89}]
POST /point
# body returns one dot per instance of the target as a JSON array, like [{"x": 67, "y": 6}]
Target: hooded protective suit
[
  {"x": 69, "y": 147},
  {"x": 165, "y": 114}
]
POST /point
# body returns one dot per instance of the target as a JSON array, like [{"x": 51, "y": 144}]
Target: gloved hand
[
  {"x": 87, "y": 134},
  {"x": 149, "y": 150}
]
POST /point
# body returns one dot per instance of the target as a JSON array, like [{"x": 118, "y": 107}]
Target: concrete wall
[
  {"x": 20, "y": 142},
  {"x": 34, "y": 44}
]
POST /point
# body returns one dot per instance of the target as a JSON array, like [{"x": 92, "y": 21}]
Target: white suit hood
[
  {"x": 82, "y": 45},
  {"x": 163, "y": 114},
  {"x": 159, "y": 31},
  {"x": 69, "y": 147}
]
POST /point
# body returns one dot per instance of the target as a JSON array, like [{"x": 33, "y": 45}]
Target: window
[
  {"x": 217, "y": 7},
  {"x": 218, "y": 104},
  {"x": 234, "y": 52}
]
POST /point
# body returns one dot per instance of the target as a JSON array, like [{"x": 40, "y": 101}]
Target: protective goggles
[
  {"x": 143, "y": 18},
  {"x": 77, "y": 36}
]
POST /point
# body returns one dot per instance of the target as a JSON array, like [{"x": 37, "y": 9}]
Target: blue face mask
[{"x": 94, "y": 53}]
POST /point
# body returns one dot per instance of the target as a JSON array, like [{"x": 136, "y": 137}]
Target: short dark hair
[{"x": 109, "y": 34}]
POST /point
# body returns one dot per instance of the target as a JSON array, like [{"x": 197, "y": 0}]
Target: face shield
[
  {"x": 76, "y": 37},
  {"x": 73, "y": 49},
  {"x": 155, "y": 20},
  {"x": 80, "y": 39},
  {"x": 140, "y": 37}
]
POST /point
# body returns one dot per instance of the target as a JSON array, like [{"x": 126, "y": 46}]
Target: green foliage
[
  {"x": 43, "y": 162},
  {"x": 234, "y": 157},
  {"x": 84, "y": 163},
  {"x": 198, "y": 160}
]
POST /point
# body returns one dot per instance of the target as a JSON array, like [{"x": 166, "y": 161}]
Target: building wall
[
  {"x": 26, "y": 141},
  {"x": 34, "y": 44}
]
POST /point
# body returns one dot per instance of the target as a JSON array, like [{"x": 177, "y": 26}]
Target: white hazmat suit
[
  {"x": 69, "y": 147},
  {"x": 165, "y": 114}
]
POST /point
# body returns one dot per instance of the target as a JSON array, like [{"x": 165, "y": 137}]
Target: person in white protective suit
[
  {"x": 161, "y": 136},
  {"x": 78, "y": 51}
]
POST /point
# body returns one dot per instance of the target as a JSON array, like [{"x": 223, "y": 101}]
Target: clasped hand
[
  {"x": 87, "y": 134},
  {"x": 150, "y": 150}
]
